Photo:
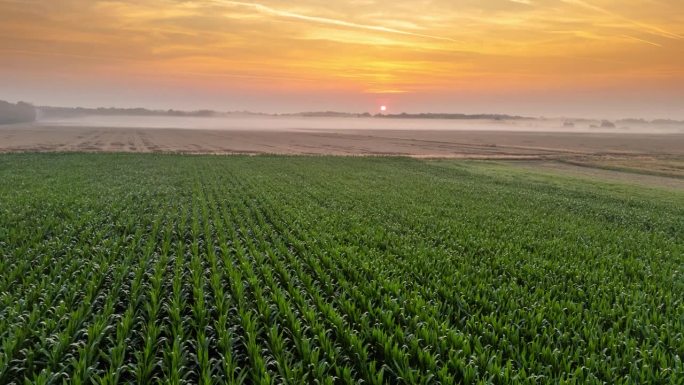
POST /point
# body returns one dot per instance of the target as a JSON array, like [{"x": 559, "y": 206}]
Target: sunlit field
[{"x": 293, "y": 270}]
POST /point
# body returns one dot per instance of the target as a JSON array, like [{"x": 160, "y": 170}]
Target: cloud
[
  {"x": 642, "y": 40},
  {"x": 310, "y": 46},
  {"x": 327, "y": 21},
  {"x": 643, "y": 27}
]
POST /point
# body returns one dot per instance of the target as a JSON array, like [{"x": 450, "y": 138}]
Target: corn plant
[{"x": 171, "y": 269}]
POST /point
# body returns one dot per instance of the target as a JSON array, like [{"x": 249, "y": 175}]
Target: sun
[{"x": 383, "y": 108}]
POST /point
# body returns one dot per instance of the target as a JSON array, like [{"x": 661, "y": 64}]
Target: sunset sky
[{"x": 598, "y": 58}]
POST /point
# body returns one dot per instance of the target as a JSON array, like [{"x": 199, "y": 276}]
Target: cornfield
[{"x": 301, "y": 270}]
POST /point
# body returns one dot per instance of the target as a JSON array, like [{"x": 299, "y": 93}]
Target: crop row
[{"x": 270, "y": 270}]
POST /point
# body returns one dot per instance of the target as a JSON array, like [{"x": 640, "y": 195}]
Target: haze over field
[
  {"x": 585, "y": 58},
  {"x": 295, "y": 123},
  {"x": 533, "y": 79}
]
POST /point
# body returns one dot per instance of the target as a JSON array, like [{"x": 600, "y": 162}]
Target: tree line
[{"x": 16, "y": 113}]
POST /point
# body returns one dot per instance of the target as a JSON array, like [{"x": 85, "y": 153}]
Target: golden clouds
[{"x": 363, "y": 46}]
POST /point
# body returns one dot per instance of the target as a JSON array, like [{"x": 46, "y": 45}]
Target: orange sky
[{"x": 553, "y": 57}]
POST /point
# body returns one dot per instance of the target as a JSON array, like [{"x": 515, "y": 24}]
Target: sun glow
[{"x": 523, "y": 56}]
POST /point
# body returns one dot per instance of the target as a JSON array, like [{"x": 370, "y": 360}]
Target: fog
[{"x": 289, "y": 123}]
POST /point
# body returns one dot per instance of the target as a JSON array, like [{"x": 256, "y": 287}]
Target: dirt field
[
  {"x": 626, "y": 156},
  {"x": 423, "y": 143}
]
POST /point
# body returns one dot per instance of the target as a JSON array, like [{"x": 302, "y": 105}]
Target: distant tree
[
  {"x": 667, "y": 121},
  {"x": 431, "y": 115},
  {"x": 607, "y": 124},
  {"x": 16, "y": 113}
]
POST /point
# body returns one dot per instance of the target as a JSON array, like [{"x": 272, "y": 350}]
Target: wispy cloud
[
  {"x": 642, "y": 40},
  {"x": 253, "y": 46},
  {"x": 327, "y": 21},
  {"x": 593, "y": 36},
  {"x": 643, "y": 27}
]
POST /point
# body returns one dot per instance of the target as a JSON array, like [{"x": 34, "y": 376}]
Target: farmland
[{"x": 142, "y": 268}]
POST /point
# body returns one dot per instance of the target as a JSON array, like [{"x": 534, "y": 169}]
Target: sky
[{"x": 580, "y": 58}]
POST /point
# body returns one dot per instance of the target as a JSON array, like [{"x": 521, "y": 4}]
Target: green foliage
[{"x": 161, "y": 269}]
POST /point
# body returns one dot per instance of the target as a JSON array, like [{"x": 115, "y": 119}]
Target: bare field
[
  {"x": 625, "y": 156},
  {"x": 418, "y": 143}
]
